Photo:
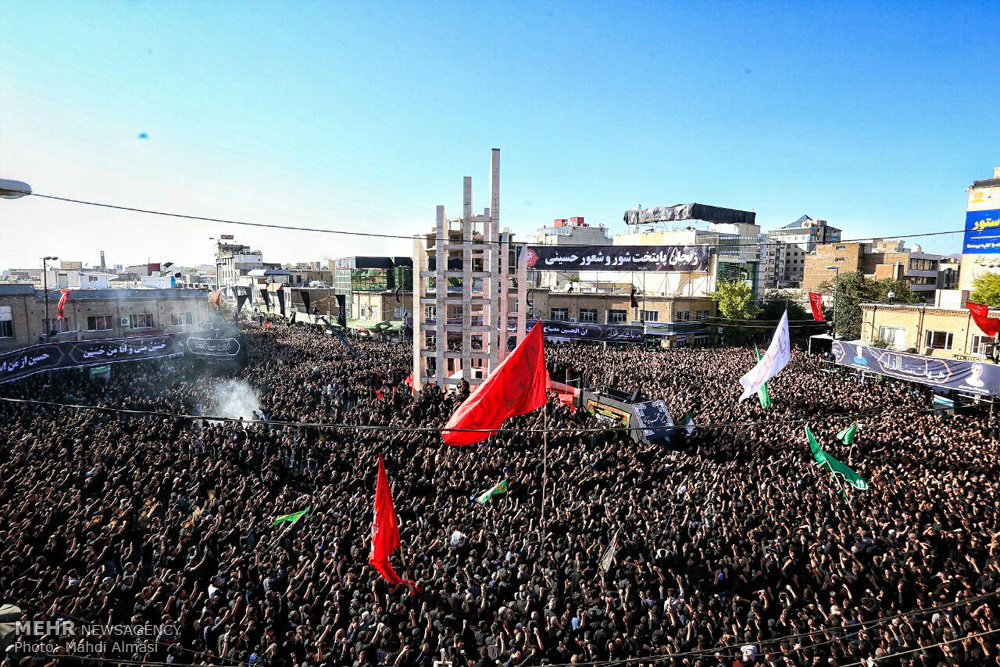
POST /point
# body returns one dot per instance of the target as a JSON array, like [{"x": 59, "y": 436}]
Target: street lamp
[
  {"x": 836, "y": 287},
  {"x": 13, "y": 189},
  {"x": 45, "y": 289}
]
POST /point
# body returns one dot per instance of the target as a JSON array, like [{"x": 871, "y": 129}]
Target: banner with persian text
[
  {"x": 611, "y": 333},
  {"x": 82, "y": 354},
  {"x": 664, "y": 258},
  {"x": 970, "y": 377}
]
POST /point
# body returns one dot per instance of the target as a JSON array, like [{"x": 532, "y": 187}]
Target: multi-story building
[
  {"x": 981, "y": 245},
  {"x": 233, "y": 261},
  {"x": 786, "y": 249},
  {"x": 97, "y": 313},
  {"x": 563, "y": 231},
  {"x": 358, "y": 278},
  {"x": 879, "y": 259}
]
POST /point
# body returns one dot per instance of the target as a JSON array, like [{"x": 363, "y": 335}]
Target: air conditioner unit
[{"x": 125, "y": 321}]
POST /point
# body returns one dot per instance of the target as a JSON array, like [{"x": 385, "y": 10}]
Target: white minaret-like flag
[{"x": 776, "y": 357}]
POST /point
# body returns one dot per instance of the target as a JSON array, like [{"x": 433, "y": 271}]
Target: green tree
[
  {"x": 986, "y": 289},
  {"x": 774, "y": 304},
  {"x": 735, "y": 300},
  {"x": 854, "y": 289}
]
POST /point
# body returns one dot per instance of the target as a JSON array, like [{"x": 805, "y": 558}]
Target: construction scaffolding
[{"x": 468, "y": 288}]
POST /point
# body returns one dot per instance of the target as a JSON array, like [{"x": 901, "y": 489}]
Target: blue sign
[
  {"x": 982, "y": 233},
  {"x": 969, "y": 377}
]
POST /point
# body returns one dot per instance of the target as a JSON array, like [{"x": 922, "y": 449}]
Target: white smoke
[{"x": 235, "y": 399}]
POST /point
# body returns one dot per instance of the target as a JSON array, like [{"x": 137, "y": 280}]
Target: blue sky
[{"x": 366, "y": 115}]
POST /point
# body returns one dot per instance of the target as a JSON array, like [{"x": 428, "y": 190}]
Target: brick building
[{"x": 99, "y": 313}]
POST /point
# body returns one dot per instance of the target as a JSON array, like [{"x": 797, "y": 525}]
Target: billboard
[{"x": 982, "y": 233}]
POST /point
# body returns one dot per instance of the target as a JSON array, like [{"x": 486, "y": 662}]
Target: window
[
  {"x": 140, "y": 321},
  {"x": 181, "y": 319},
  {"x": 6, "y": 322},
  {"x": 92, "y": 279},
  {"x": 588, "y": 315},
  {"x": 430, "y": 313},
  {"x": 683, "y": 315},
  {"x": 983, "y": 345},
  {"x": 560, "y": 314},
  {"x": 100, "y": 323},
  {"x": 617, "y": 316},
  {"x": 650, "y": 316},
  {"x": 56, "y": 325},
  {"x": 894, "y": 337},
  {"x": 938, "y": 340}
]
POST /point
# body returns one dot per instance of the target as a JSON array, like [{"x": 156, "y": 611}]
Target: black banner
[
  {"x": 718, "y": 214},
  {"x": 81, "y": 354},
  {"x": 281, "y": 301},
  {"x": 611, "y": 333},
  {"x": 342, "y": 310},
  {"x": 213, "y": 347},
  {"x": 664, "y": 258},
  {"x": 305, "y": 300},
  {"x": 267, "y": 297},
  {"x": 654, "y": 419},
  {"x": 971, "y": 377}
]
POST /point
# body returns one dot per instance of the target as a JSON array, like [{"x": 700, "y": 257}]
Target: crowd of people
[{"x": 731, "y": 547}]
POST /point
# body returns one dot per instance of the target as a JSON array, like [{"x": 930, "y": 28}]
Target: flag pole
[{"x": 545, "y": 465}]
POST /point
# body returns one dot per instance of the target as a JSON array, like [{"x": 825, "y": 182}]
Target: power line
[{"x": 411, "y": 237}]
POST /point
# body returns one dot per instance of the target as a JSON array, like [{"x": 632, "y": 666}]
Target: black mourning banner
[
  {"x": 664, "y": 258},
  {"x": 267, "y": 297},
  {"x": 654, "y": 419},
  {"x": 305, "y": 300},
  {"x": 81, "y": 354},
  {"x": 213, "y": 347},
  {"x": 240, "y": 300},
  {"x": 281, "y": 301},
  {"x": 342, "y": 310}
]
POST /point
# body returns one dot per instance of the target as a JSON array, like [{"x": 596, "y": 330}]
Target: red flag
[
  {"x": 409, "y": 382},
  {"x": 267, "y": 324},
  {"x": 516, "y": 387},
  {"x": 218, "y": 297},
  {"x": 379, "y": 394},
  {"x": 816, "y": 303},
  {"x": 980, "y": 313},
  {"x": 62, "y": 302},
  {"x": 385, "y": 531}
]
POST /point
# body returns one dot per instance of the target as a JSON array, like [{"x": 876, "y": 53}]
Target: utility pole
[
  {"x": 45, "y": 289},
  {"x": 836, "y": 288}
]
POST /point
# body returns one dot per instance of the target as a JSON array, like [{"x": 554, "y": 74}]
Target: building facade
[
  {"x": 233, "y": 261},
  {"x": 879, "y": 260},
  {"x": 98, "y": 313},
  {"x": 925, "y": 329},
  {"x": 981, "y": 244},
  {"x": 789, "y": 246}
]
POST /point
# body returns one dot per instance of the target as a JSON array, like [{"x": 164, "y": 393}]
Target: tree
[
  {"x": 986, "y": 289},
  {"x": 854, "y": 289},
  {"x": 735, "y": 300},
  {"x": 774, "y": 304}
]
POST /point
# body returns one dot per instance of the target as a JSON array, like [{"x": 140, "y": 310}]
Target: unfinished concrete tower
[{"x": 467, "y": 286}]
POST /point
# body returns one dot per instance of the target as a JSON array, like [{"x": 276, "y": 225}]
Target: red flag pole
[{"x": 545, "y": 466}]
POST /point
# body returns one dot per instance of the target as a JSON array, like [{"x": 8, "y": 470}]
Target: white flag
[{"x": 777, "y": 355}]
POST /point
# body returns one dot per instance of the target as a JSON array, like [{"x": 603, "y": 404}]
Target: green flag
[
  {"x": 499, "y": 489},
  {"x": 293, "y": 517},
  {"x": 687, "y": 421},
  {"x": 835, "y": 466},
  {"x": 847, "y": 435},
  {"x": 763, "y": 394}
]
